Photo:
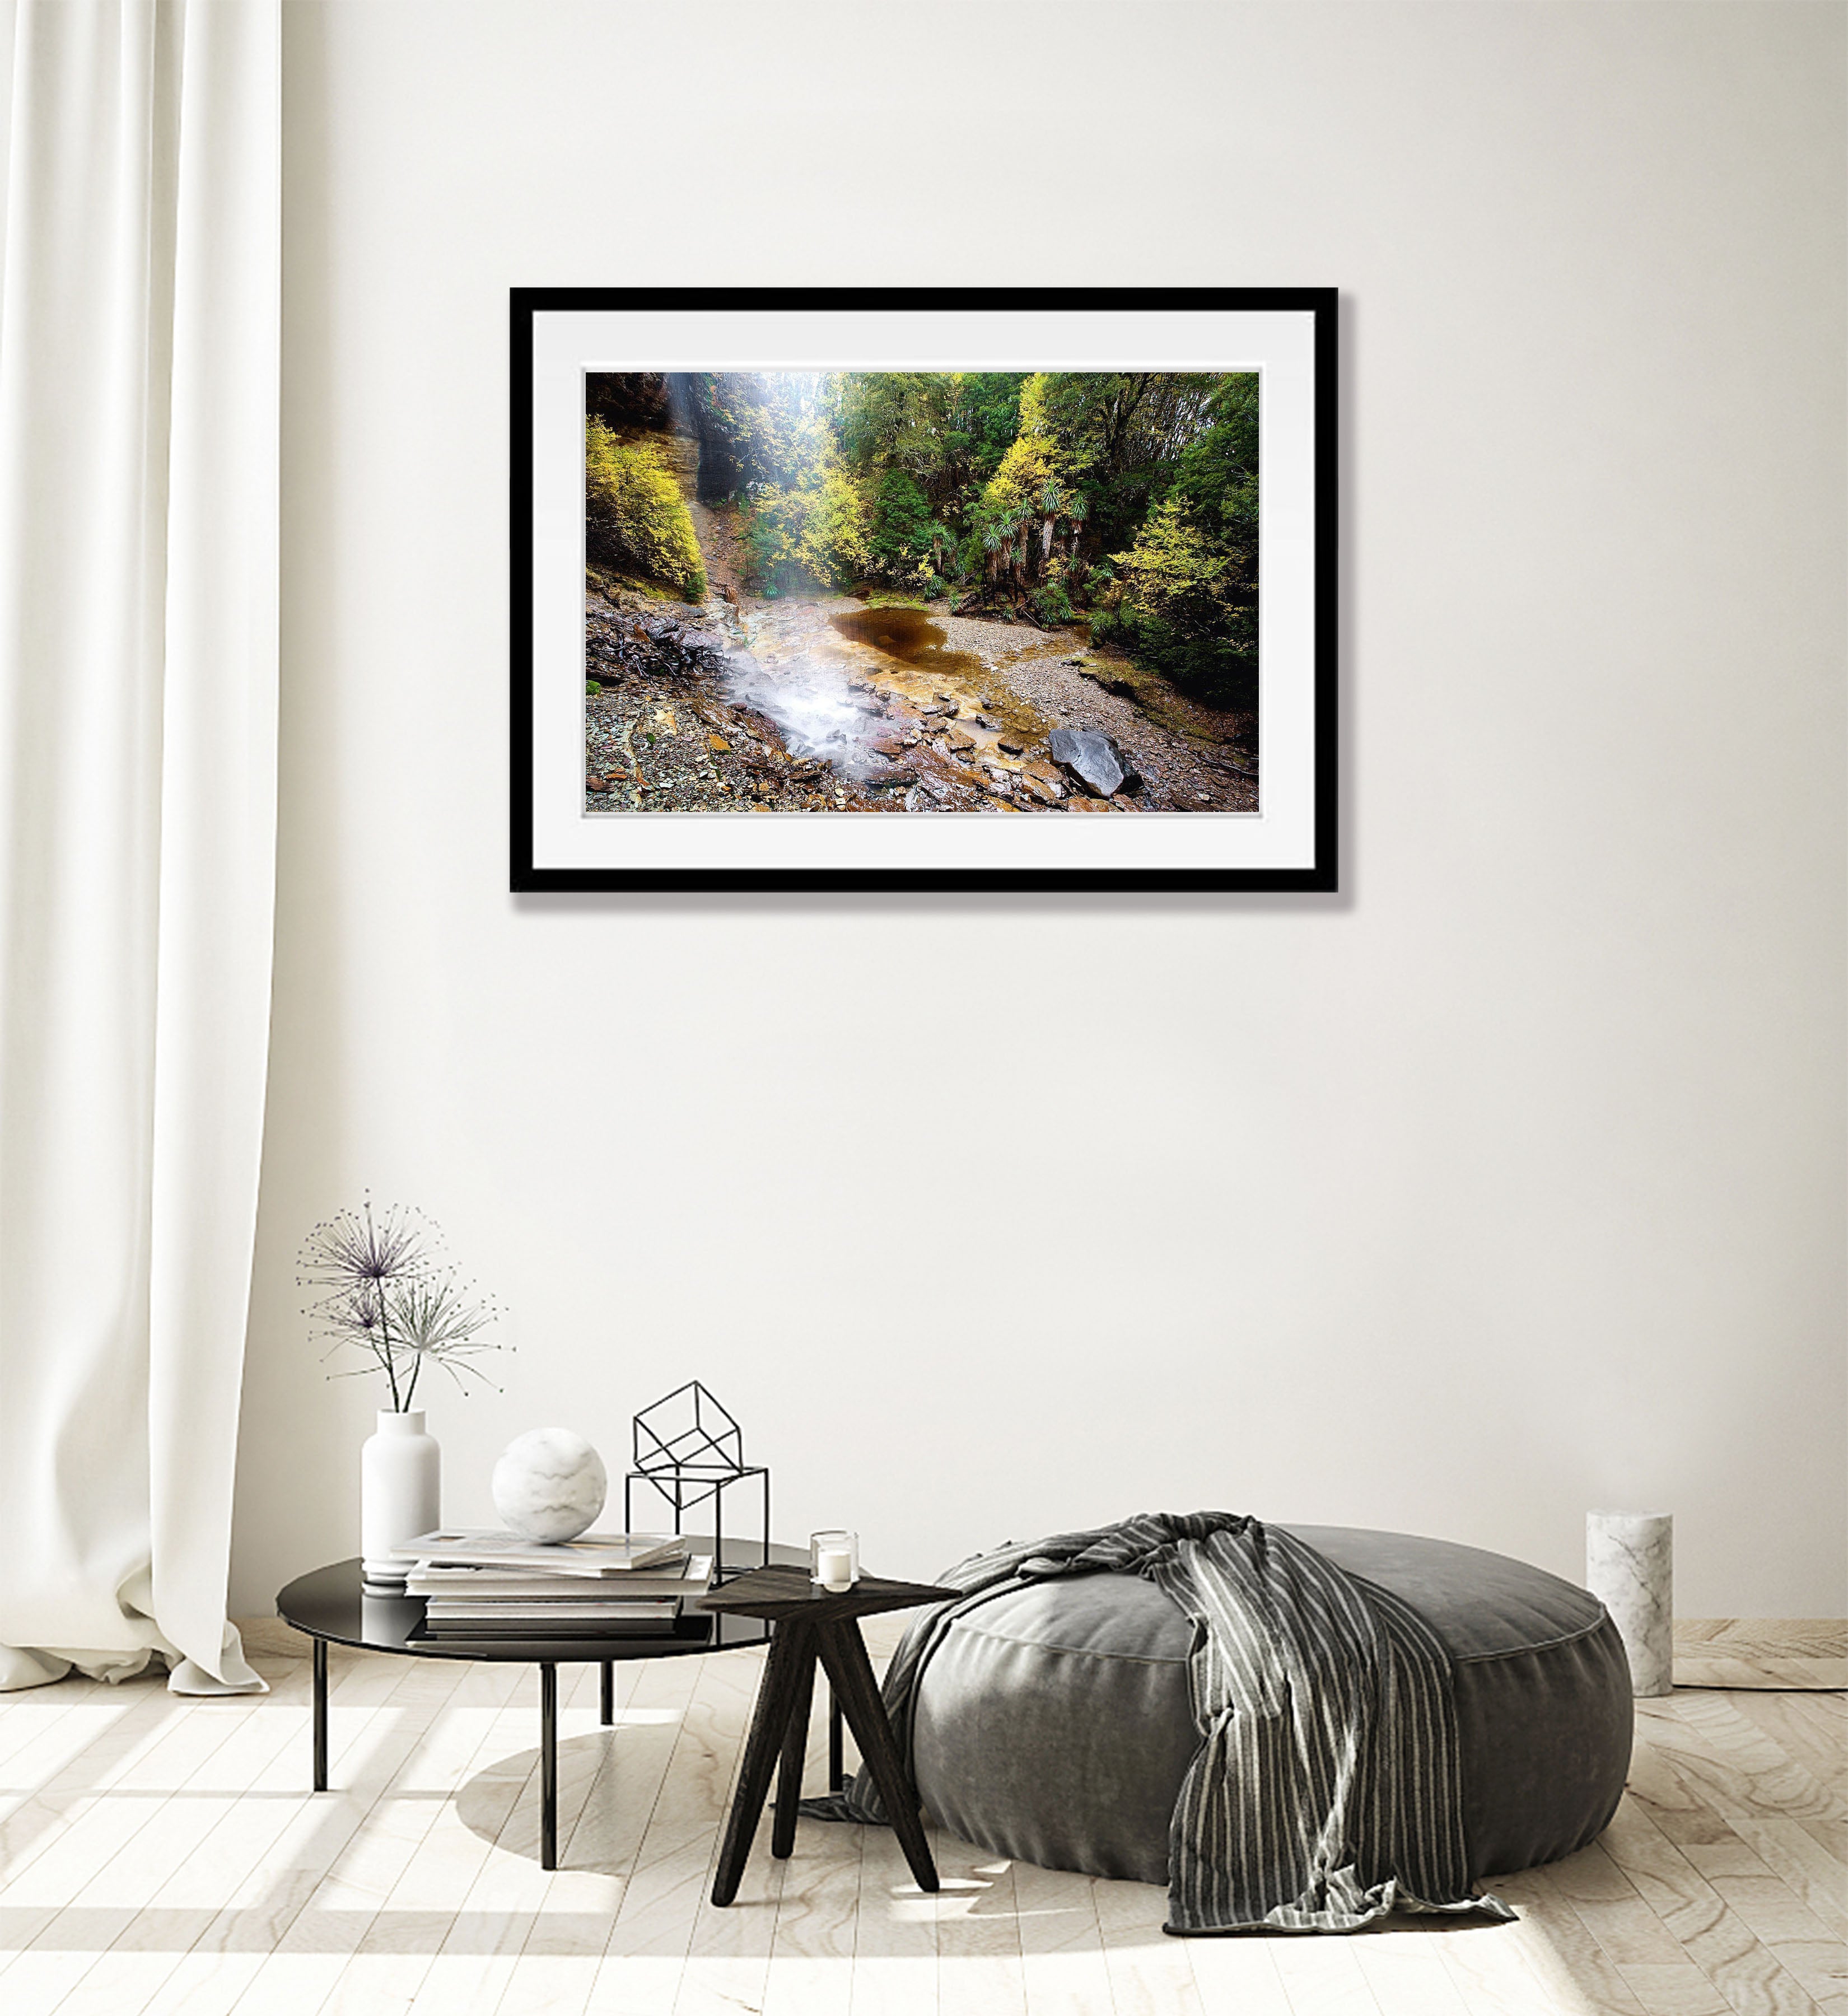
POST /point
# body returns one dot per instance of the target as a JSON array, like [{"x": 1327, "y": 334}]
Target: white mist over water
[{"x": 816, "y": 711}]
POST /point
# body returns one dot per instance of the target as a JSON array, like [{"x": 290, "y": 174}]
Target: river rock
[
  {"x": 679, "y": 648},
  {"x": 1008, "y": 748},
  {"x": 959, "y": 737},
  {"x": 1092, "y": 758},
  {"x": 900, "y": 778},
  {"x": 890, "y": 745},
  {"x": 1044, "y": 781},
  {"x": 703, "y": 646},
  {"x": 1089, "y": 805}
]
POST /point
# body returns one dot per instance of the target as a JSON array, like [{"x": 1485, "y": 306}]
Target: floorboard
[{"x": 161, "y": 1856}]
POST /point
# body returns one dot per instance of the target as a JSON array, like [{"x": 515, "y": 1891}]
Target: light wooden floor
[{"x": 163, "y": 1856}]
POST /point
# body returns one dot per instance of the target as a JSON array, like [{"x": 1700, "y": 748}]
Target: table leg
[
  {"x": 548, "y": 1764},
  {"x": 320, "y": 1718},
  {"x": 605, "y": 1709},
  {"x": 792, "y": 1656},
  {"x": 837, "y": 1762},
  {"x": 850, "y": 1673},
  {"x": 795, "y": 1751}
]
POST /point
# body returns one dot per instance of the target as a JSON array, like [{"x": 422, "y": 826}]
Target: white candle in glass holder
[{"x": 839, "y": 1551}]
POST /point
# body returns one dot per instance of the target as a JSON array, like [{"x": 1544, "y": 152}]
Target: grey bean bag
[{"x": 1054, "y": 1725}]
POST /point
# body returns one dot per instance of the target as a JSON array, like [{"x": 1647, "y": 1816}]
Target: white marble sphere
[{"x": 550, "y": 1484}]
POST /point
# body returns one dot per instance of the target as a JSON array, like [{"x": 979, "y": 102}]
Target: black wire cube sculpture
[{"x": 688, "y": 1448}]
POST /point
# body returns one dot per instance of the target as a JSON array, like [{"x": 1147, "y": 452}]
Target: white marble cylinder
[{"x": 1629, "y": 1567}]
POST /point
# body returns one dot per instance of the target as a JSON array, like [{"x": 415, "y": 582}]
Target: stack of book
[{"x": 487, "y": 1585}]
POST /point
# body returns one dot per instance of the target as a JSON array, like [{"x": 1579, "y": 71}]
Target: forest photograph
[{"x": 921, "y": 592}]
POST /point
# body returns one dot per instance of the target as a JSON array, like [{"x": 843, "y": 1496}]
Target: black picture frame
[{"x": 1318, "y": 872}]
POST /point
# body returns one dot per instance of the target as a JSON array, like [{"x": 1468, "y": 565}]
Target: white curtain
[{"x": 139, "y": 387}]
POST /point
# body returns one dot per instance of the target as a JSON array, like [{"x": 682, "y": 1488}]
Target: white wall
[{"x": 1509, "y": 1183}]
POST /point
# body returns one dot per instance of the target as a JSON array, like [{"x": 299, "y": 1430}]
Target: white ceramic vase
[{"x": 401, "y": 1474}]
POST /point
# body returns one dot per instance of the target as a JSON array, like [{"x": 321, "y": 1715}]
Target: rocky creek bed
[{"x": 828, "y": 705}]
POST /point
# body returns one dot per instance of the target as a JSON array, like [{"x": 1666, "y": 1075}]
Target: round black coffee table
[{"x": 331, "y": 1606}]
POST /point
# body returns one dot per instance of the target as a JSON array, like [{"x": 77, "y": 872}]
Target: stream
[{"x": 834, "y": 681}]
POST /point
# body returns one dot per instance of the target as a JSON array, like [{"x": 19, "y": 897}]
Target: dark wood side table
[{"x": 811, "y": 1624}]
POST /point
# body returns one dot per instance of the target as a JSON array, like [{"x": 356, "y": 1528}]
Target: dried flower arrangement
[{"x": 388, "y": 1290}]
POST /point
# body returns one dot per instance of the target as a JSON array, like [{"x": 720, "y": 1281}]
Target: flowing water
[
  {"x": 833, "y": 682},
  {"x": 819, "y": 710}
]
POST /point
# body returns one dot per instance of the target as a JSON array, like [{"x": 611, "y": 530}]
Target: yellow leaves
[
  {"x": 819, "y": 530},
  {"x": 634, "y": 511},
  {"x": 1172, "y": 559},
  {"x": 1022, "y": 475},
  {"x": 1036, "y": 417}
]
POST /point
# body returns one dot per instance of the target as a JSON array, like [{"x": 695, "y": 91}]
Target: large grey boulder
[{"x": 1094, "y": 759}]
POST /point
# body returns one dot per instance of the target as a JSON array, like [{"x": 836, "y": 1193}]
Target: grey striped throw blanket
[{"x": 1326, "y": 1790}]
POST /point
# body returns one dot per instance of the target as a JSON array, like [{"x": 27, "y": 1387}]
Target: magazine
[
  {"x": 590, "y": 1553},
  {"x": 486, "y": 1581}
]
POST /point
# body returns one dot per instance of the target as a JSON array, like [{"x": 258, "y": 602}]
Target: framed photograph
[{"x": 923, "y": 590}]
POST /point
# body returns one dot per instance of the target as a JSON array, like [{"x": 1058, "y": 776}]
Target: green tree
[
  {"x": 1217, "y": 469},
  {"x": 895, "y": 420},
  {"x": 983, "y": 418},
  {"x": 902, "y": 525},
  {"x": 1188, "y": 601},
  {"x": 1188, "y": 606},
  {"x": 947, "y": 430}
]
